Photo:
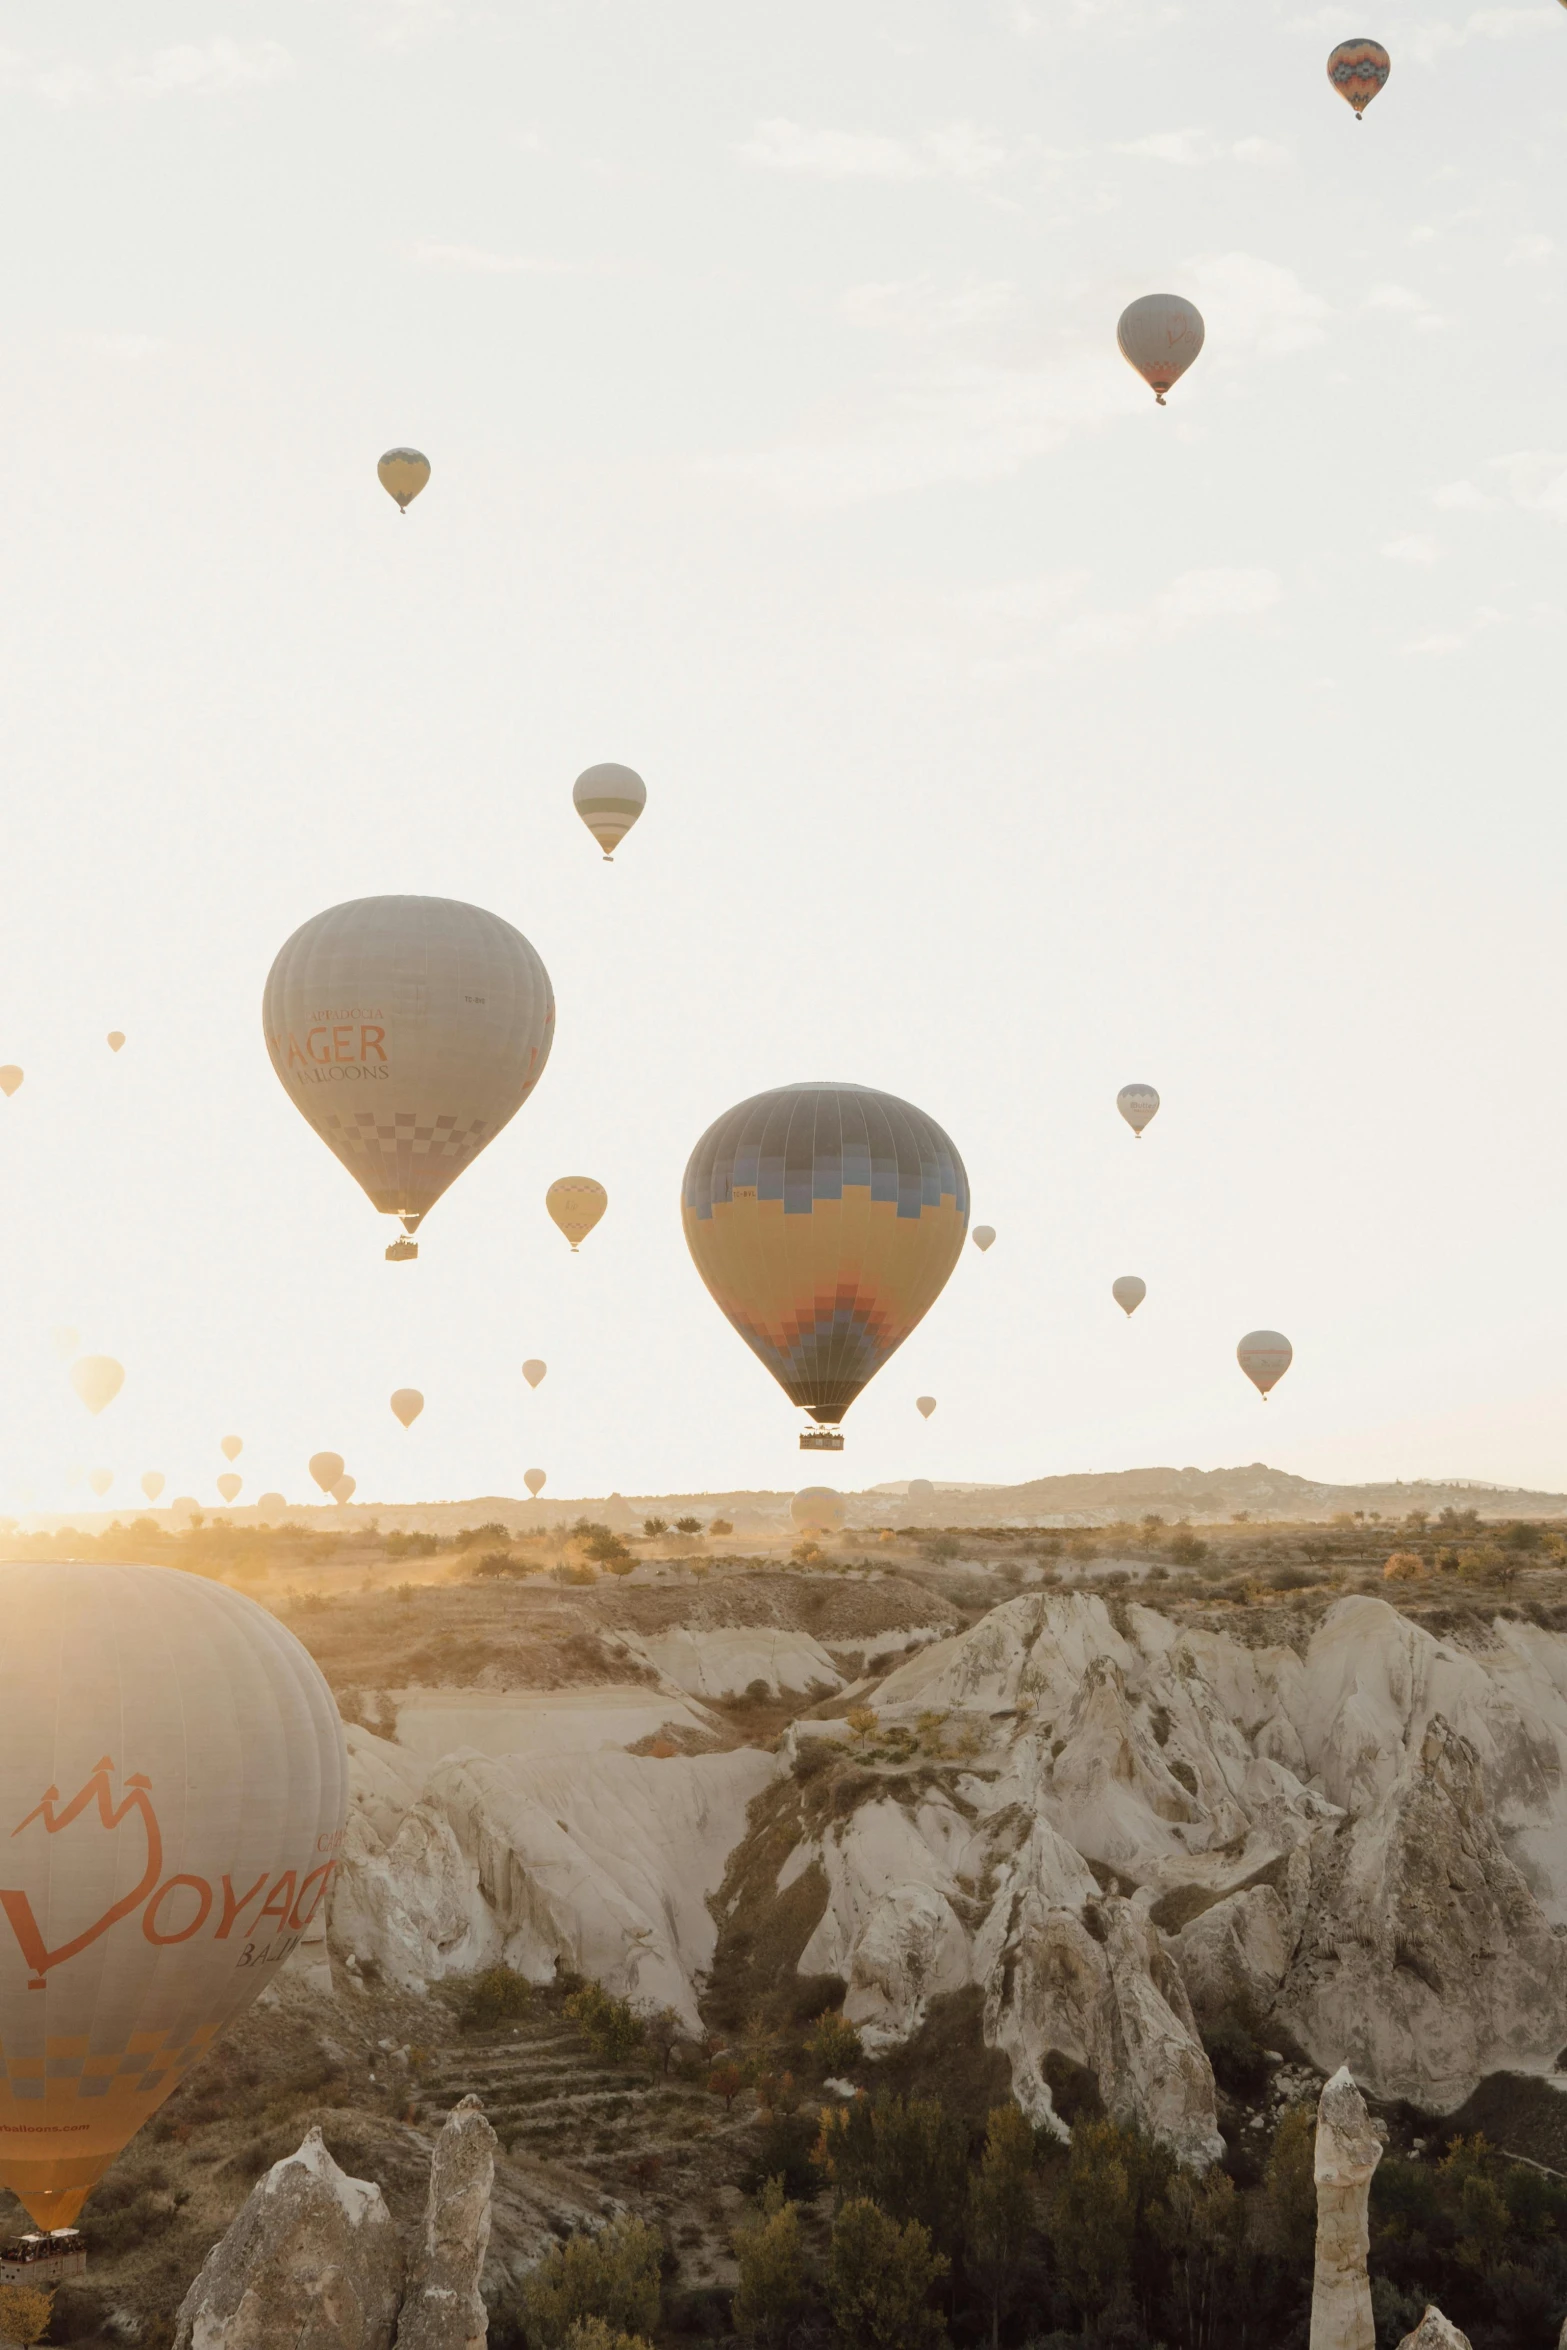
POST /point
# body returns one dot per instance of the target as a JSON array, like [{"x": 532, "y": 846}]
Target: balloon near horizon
[
  {"x": 457, "y": 1022},
  {"x": 344, "y": 1490},
  {"x": 817, "y": 1509},
  {"x": 575, "y": 1204},
  {"x": 534, "y": 1479},
  {"x": 403, "y": 473},
  {"x": 609, "y": 799},
  {"x": 152, "y": 1484},
  {"x": 1264, "y": 1356},
  {"x": 230, "y": 1486},
  {"x": 174, "y": 1784},
  {"x": 824, "y": 1220},
  {"x": 326, "y": 1468},
  {"x": 100, "y": 1481}
]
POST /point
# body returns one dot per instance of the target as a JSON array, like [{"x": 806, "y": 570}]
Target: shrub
[
  {"x": 611, "y": 2027},
  {"x": 1186, "y": 1549},
  {"x": 591, "y": 2333},
  {"x": 496, "y": 1563},
  {"x": 613, "y": 2276},
  {"x": 1405, "y": 1566},
  {"x": 495, "y": 1997},
  {"x": 25, "y": 2311},
  {"x": 1238, "y": 2063},
  {"x": 411, "y": 1546},
  {"x": 770, "y": 2255},
  {"x": 834, "y": 2045},
  {"x": 720, "y": 1526},
  {"x": 688, "y": 1525},
  {"x": 726, "y": 2081},
  {"x": 653, "y": 1527},
  {"x": 879, "y": 2281}
]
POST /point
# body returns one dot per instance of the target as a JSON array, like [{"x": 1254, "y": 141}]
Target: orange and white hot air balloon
[
  {"x": 173, "y": 1790},
  {"x": 575, "y": 1205},
  {"x": 1160, "y": 335}
]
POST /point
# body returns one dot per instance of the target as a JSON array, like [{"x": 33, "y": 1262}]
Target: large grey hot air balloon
[
  {"x": 1129, "y": 1293},
  {"x": 609, "y": 799},
  {"x": 97, "y": 1379},
  {"x": 403, "y": 474},
  {"x": 1264, "y": 1356},
  {"x": 326, "y": 1468},
  {"x": 173, "y": 1788},
  {"x": 1160, "y": 335},
  {"x": 408, "y": 1032},
  {"x": 1137, "y": 1104}
]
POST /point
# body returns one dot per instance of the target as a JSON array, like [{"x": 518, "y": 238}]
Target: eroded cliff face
[{"x": 1118, "y": 1829}]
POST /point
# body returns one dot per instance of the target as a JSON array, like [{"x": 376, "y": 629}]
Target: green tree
[
  {"x": 591, "y": 2333},
  {"x": 688, "y": 1525},
  {"x": 1107, "y": 2250},
  {"x": 834, "y": 2044},
  {"x": 879, "y": 2281},
  {"x": 611, "y": 2027},
  {"x": 1289, "y": 2210},
  {"x": 774, "y": 2286},
  {"x": 25, "y": 2311},
  {"x": 910, "y": 2156},
  {"x": 496, "y": 1997},
  {"x": 1001, "y": 2211},
  {"x": 1201, "y": 2225},
  {"x": 653, "y": 1527},
  {"x": 612, "y": 2276}
]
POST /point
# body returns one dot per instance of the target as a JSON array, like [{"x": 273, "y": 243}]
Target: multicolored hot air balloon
[
  {"x": 407, "y": 1404},
  {"x": 402, "y": 474},
  {"x": 326, "y": 1468},
  {"x": 1137, "y": 1105},
  {"x": 924, "y": 1405},
  {"x": 1129, "y": 1293},
  {"x": 609, "y": 799},
  {"x": 408, "y": 1032},
  {"x": 533, "y": 1370},
  {"x": 816, "y": 1509},
  {"x": 534, "y": 1480},
  {"x": 575, "y": 1205},
  {"x": 97, "y": 1379},
  {"x": 1264, "y": 1356},
  {"x": 10, "y": 1079},
  {"x": 1160, "y": 335},
  {"x": 982, "y": 1236},
  {"x": 825, "y": 1220},
  {"x": 173, "y": 1789},
  {"x": 1357, "y": 70}
]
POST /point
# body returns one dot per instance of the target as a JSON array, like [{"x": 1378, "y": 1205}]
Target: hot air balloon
[
  {"x": 173, "y": 1790},
  {"x": 575, "y": 1204},
  {"x": 533, "y": 1370},
  {"x": 1357, "y": 70},
  {"x": 408, "y": 1032},
  {"x": 97, "y": 1379},
  {"x": 534, "y": 1481},
  {"x": 326, "y": 1468},
  {"x": 1160, "y": 335},
  {"x": 10, "y": 1079},
  {"x": 1129, "y": 1293},
  {"x": 825, "y": 1220},
  {"x": 100, "y": 1481},
  {"x": 230, "y": 1486},
  {"x": 231, "y": 1447},
  {"x": 407, "y": 1404},
  {"x": 152, "y": 1484},
  {"x": 183, "y": 1509},
  {"x": 115, "y": 1039},
  {"x": 1137, "y": 1104},
  {"x": 920, "y": 1489},
  {"x": 609, "y": 799},
  {"x": 924, "y": 1405},
  {"x": 344, "y": 1490},
  {"x": 1264, "y": 1356},
  {"x": 270, "y": 1508},
  {"x": 816, "y": 1509},
  {"x": 64, "y": 1340},
  {"x": 403, "y": 474},
  {"x": 982, "y": 1236}
]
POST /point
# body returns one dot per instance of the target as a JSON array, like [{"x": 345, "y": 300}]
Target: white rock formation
[
  {"x": 1347, "y": 2152},
  {"x": 726, "y": 1661},
  {"x": 1436, "y": 2332},
  {"x": 442, "y": 2307},
  {"x": 311, "y": 2262}
]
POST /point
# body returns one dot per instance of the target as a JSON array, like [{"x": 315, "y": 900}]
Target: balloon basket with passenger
[
  {"x": 821, "y": 1440},
  {"x": 401, "y": 1252}
]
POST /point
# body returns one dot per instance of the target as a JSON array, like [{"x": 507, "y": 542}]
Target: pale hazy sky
[{"x": 1006, "y": 737}]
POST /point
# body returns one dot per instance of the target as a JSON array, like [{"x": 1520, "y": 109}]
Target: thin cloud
[
  {"x": 1411, "y": 549},
  {"x": 960, "y": 151},
  {"x": 476, "y": 261},
  {"x": 1191, "y": 148},
  {"x": 1192, "y": 600},
  {"x": 1249, "y": 304},
  {"x": 186, "y": 69}
]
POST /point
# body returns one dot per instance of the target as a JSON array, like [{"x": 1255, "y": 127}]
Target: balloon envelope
[
  {"x": 345, "y": 1489},
  {"x": 575, "y": 1204},
  {"x": 982, "y": 1236},
  {"x": 152, "y": 1484},
  {"x": 97, "y": 1379},
  {"x": 270, "y": 1508},
  {"x": 100, "y": 1481},
  {"x": 1137, "y": 1104},
  {"x": 408, "y": 1032},
  {"x": 609, "y": 799},
  {"x": 10, "y": 1079},
  {"x": 407, "y": 1403},
  {"x": 1264, "y": 1356},
  {"x": 1160, "y": 335},
  {"x": 533, "y": 1370},
  {"x": 1129, "y": 1292},
  {"x": 921, "y": 1489},
  {"x": 230, "y": 1486},
  {"x": 817, "y": 1509},
  {"x": 231, "y": 1447},
  {"x": 403, "y": 474},
  {"x": 173, "y": 1788},
  {"x": 116, "y": 1038},
  {"x": 825, "y": 1220},
  {"x": 1357, "y": 70},
  {"x": 534, "y": 1481},
  {"x": 924, "y": 1405},
  {"x": 326, "y": 1468}
]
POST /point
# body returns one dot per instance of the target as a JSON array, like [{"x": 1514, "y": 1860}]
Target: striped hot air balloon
[
  {"x": 609, "y": 799},
  {"x": 1357, "y": 70}
]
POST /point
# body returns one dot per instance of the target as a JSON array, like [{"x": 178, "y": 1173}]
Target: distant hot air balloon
[
  {"x": 609, "y": 799},
  {"x": 920, "y": 1489},
  {"x": 100, "y": 1481},
  {"x": 183, "y": 1509},
  {"x": 816, "y": 1509},
  {"x": 533, "y": 1370},
  {"x": 575, "y": 1204},
  {"x": 231, "y": 1447},
  {"x": 152, "y": 1484},
  {"x": 116, "y": 1038},
  {"x": 1137, "y": 1104},
  {"x": 825, "y": 1220},
  {"x": 344, "y": 1489},
  {"x": 10, "y": 1079},
  {"x": 64, "y": 1340},
  {"x": 1160, "y": 335},
  {"x": 403, "y": 474},
  {"x": 1129, "y": 1293},
  {"x": 924, "y": 1405},
  {"x": 407, "y": 1404},
  {"x": 1357, "y": 70},
  {"x": 97, "y": 1379},
  {"x": 1264, "y": 1356},
  {"x": 534, "y": 1481},
  {"x": 982, "y": 1236},
  {"x": 173, "y": 1790},
  {"x": 270, "y": 1508},
  {"x": 230, "y": 1486},
  {"x": 408, "y": 1032},
  {"x": 326, "y": 1468}
]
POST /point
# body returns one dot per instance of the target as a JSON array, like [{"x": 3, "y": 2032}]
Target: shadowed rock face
[
  {"x": 310, "y": 2262},
  {"x": 442, "y": 2309},
  {"x": 1347, "y": 2153}
]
